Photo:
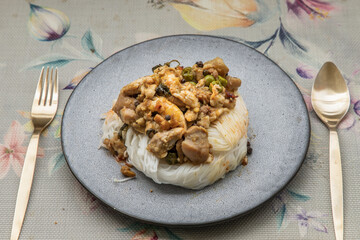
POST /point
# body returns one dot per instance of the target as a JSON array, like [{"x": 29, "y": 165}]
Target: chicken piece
[
  {"x": 204, "y": 122},
  {"x": 200, "y": 84},
  {"x": 176, "y": 101},
  {"x": 196, "y": 144},
  {"x": 163, "y": 123},
  {"x": 116, "y": 146},
  {"x": 149, "y": 91},
  {"x": 133, "y": 88},
  {"x": 179, "y": 150},
  {"x": 172, "y": 81},
  {"x": 128, "y": 115},
  {"x": 218, "y": 64},
  {"x": 213, "y": 72},
  {"x": 191, "y": 115},
  {"x": 123, "y": 101},
  {"x": 204, "y": 96},
  {"x": 126, "y": 97},
  {"x": 229, "y": 103},
  {"x": 198, "y": 72},
  {"x": 205, "y": 109},
  {"x": 151, "y": 128},
  {"x": 216, "y": 100},
  {"x": 188, "y": 98},
  {"x": 164, "y": 107},
  {"x": 215, "y": 113},
  {"x": 184, "y": 93},
  {"x": 162, "y": 142},
  {"x": 233, "y": 83}
]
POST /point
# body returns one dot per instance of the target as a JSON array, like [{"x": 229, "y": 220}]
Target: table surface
[{"x": 299, "y": 35}]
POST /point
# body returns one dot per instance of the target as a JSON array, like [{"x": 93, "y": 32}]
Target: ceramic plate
[{"x": 279, "y": 128}]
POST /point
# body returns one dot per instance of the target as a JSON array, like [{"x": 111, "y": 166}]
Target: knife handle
[
  {"x": 336, "y": 184},
  {"x": 26, "y": 180}
]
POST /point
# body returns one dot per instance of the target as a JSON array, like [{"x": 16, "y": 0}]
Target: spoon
[{"x": 331, "y": 100}]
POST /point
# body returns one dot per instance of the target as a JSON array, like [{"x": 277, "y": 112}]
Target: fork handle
[
  {"x": 25, "y": 185},
  {"x": 336, "y": 184}
]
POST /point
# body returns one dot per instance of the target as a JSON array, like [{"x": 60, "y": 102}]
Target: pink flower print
[
  {"x": 312, "y": 8},
  {"x": 12, "y": 152}
]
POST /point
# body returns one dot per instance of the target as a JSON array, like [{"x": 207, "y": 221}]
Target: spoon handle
[{"x": 336, "y": 184}]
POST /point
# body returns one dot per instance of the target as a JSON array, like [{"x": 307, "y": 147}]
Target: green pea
[
  {"x": 193, "y": 83},
  {"x": 188, "y": 77},
  {"x": 188, "y": 74},
  {"x": 209, "y": 79},
  {"x": 223, "y": 81}
]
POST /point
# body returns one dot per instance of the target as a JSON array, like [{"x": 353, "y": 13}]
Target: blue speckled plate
[{"x": 279, "y": 125}]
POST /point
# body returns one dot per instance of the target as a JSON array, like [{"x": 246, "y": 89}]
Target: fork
[{"x": 43, "y": 111}]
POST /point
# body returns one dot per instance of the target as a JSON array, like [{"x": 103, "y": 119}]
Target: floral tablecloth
[{"x": 299, "y": 35}]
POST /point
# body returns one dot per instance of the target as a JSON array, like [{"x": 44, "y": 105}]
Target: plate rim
[{"x": 205, "y": 223}]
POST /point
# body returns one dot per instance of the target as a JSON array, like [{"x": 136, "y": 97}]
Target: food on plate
[{"x": 181, "y": 126}]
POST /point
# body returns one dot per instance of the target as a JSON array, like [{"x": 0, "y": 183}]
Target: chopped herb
[
  {"x": 162, "y": 90},
  {"x": 171, "y": 158},
  {"x": 123, "y": 127}
]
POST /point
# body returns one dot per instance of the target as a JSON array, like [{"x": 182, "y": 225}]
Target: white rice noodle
[
  {"x": 112, "y": 123},
  {"x": 228, "y": 136}
]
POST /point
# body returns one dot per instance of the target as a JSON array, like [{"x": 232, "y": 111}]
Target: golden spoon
[{"x": 331, "y": 100}]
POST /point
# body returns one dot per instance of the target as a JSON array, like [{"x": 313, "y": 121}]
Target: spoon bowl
[{"x": 330, "y": 96}]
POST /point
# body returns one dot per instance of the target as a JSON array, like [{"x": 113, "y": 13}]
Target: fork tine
[
  {"x": 38, "y": 88},
  {"x": 55, "y": 95},
  {"x": 44, "y": 88},
  {"x": 49, "y": 91}
]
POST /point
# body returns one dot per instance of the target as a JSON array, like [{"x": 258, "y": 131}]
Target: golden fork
[{"x": 43, "y": 111}]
